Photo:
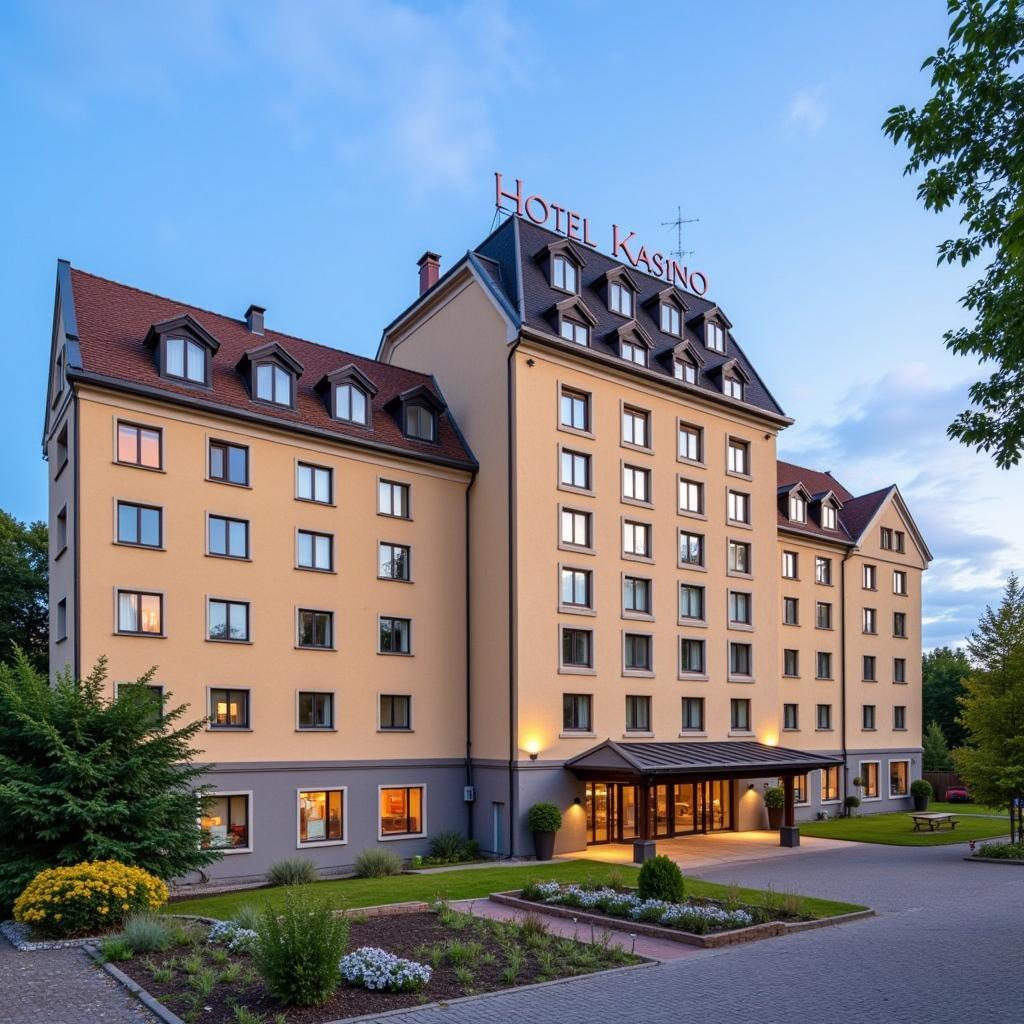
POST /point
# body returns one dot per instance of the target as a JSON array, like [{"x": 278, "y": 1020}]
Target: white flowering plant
[
  {"x": 381, "y": 971},
  {"x": 234, "y": 936}
]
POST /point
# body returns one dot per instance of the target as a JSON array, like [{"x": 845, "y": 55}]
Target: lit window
[
  {"x": 395, "y": 635},
  {"x": 227, "y": 620},
  {"x": 273, "y": 384},
  {"x": 797, "y": 509},
  {"x": 563, "y": 274},
  {"x": 869, "y": 775},
  {"x": 229, "y": 709},
  {"x": 395, "y": 712},
  {"x": 350, "y": 403},
  {"x": 634, "y": 353},
  {"x": 691, "y": 443},
  {"x": 671, "y": 319},
  {"x": 313, "y": 483},
  {"x": 140, "y": 613},
  {"x": 225, "y": 823},
  {"x": 137, "y": 446},
  {"x": 315, "y": 550},
  {"x": 321, "y": 816},
  {"x": 714, "y": 337},
  {"x": 899, "y": 777},
  {"x": 577, "y": 333},
  {"x": 635, "y": 427},
  {"x": 577, "y": 712},
  {"x": 401, "y": 811},
  {"x": 620, "y": 299},
  {"x": 420, "y": 423},
  {"x": 316, "y": 710},
  {"x": 830, "y": 784}
]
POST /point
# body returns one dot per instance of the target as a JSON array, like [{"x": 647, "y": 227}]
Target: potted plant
[
  {"x": 544, "y": 820},
  {"x": 775, "y": 801},
  {"x": 921, "y": 790},
  {"x": 852, "y": 803}
]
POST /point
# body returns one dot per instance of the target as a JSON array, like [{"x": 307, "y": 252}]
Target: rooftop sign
[{"x": 574, "y": 225}]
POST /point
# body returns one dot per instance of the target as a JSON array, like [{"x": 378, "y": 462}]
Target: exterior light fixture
[{"x": 533, "y": 756}]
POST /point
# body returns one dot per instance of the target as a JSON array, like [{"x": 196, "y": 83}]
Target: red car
[{"x": 958, "y": 795}]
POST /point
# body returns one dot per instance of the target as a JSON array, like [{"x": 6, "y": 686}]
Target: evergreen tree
[
  {"x": 86, "y": 778},
  {"x": 936, "y": 756},
  {"x": 942, "y": 681}
]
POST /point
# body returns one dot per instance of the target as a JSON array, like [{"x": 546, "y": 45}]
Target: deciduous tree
[
  {"x": 942, "y": 674},
  {"x": 24, "y": 618}
]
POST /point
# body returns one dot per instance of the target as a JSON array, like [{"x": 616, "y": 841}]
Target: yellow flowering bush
[{"x": 87, "y": 898}]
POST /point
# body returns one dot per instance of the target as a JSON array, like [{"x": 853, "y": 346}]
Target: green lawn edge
[
  {"x": 898, "y": 830},
  {"x": 474, "y": 883},
  {"x": 971, "y": 809}
]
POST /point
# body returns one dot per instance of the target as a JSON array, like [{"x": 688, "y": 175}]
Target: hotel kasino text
[{"x": 540, "y": 548}]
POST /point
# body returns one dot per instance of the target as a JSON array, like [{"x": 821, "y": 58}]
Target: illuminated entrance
[{"x": 615, "y": 810}]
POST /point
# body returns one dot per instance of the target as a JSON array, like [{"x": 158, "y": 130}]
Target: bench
[{"x": 934, "y": 820}]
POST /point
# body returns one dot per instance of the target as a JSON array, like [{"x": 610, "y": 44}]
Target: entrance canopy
[{"x": 742, "y": 759}]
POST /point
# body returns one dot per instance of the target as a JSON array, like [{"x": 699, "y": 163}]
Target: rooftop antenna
[{"x": 679, "y": 252}]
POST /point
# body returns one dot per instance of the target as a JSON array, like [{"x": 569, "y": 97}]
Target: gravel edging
[{"x": 17, "y": 935}]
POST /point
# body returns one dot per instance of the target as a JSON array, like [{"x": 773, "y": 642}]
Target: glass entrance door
[
  {"x": 630, "y": 824},
  {"x": 684, "y": 808},
  {"x": 599, "y": 818}
]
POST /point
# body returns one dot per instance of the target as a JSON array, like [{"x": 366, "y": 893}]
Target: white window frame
[
  {"x": 891, "y": 762},
  {"x": 250, "y": 848},
  {"x": 316, "y": 844},
  {"x": 878, "y": 780}
]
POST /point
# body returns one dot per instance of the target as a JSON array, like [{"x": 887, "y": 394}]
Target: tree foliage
[
  {"x": 967, "y": 139},
  {"x": 24, "y": 583},
  {"x": 935, "y": 751},
  {"x": 942, "y": 674},
  {"x": 84, "y": 778}
]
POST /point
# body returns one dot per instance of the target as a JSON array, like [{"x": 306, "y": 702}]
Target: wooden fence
[{"x": 941, "y": 781}]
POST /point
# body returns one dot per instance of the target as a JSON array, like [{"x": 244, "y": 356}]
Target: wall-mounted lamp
[
  {"x": 751, "y": 786},
  {"x": 529, "y": 362},
  {"x": 577, "y": 801},
  {"x": 533, "y": 756}
]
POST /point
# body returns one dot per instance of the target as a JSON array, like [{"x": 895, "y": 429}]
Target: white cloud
[{"x": 807, "y": 111}]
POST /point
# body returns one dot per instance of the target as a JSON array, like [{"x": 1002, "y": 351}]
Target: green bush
[
  {"x": 852, "y": 802},
  {"x": 291, "y": 871},
  {"x": 147, "y": 933},
  {"x": 448, "y": 846},
  {"x": 544, "y": 818},
  {"x": 298, "y": 949},
  {"x": 921, "y": 787},
  {"x": 1003, "y": 851},
  {"x": 660, "y": 879},
  {"x": 775, "y": 798},
  {"x": 378, "y": 864},
  {"x": 113, "y": 950},
  {"x": 246, "y": 916}
]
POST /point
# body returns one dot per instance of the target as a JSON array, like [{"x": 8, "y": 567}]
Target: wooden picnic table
[{"x": 934, "y": 820}]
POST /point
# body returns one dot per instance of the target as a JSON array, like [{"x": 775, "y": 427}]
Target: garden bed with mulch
[{"x": 201, "y": 981}]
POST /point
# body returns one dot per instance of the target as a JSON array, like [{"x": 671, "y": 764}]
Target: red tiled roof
[
  {"x": 815, "y": 481},
  {"x": 113, "y": 320}
]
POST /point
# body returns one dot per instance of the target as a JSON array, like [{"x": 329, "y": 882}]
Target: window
[
  {"x": 733, "y": 386},
  {"x": 394, "y": 561},
  {"x": 899, "y": 541},
  {"x": 823, "y": 570},
  {"x": 790, "y": 565},
  {"x": 691, "y": 443},
  {"x": 395, "y": 635},
  {"x": 693, "y": 714},
  {"x": 62, "y": 619},
  {"x": 225, "y": 822},
  {"x": 636, "y": 427},
  {"x": 575, "y": 470},
  {"x": 790, "y": 662},
  {"x": 828, "y": 516},
  {"x": 636, "y": 595},
  {"x": 273, "y": 384},
  {"x": 420, "y": 423},
  {"x": 899, "y": 778},
  {"x": 691, "y": 602},
  {"x": 229, "y": 709},
  {"x": 314, "y": 483},
  {"x": 791, "y": 611},
  {"x": 563, "y": 274},
  {"x": 577, "y": 333},
  {"x": 136, "y": 446},
  {"x": 691, "y": 496},
  {"x": 869, "y": 777},
  {"x": 321, "y": 816},
  {"x": 741, "y": 659},
  {"x": 738, "y": 457},
  {"x": 141, "y": 525},
  {"x": 799, "y": 789},
  {"x": 577, "y": 648},
  {"x": 401, "y": 811},
  {"x": 823, "y": 615},
  {"x": 899, "y": 581},
  {"x": 691, "y": 548},
  {"x": 823, "y": 716},
  {"x": 185, "y": 359},
  {"x": 899, "y": 717},
  {"x": 575, "y": 528},
  {"x": 574, "y": 410},
  {"x": 869, "y": 620},
  {"x": 739, "y": 557},
  {"x": 739, "y": 507},
  {"x": 393, "y": 499},
  {"x": 228, "y": 538},
  {"x": 739, "y": 714},
  {"x": 824, "y": 665},
  {"x": 316, "y": 710},
  {"x": 350, "y": 403},
  {"x": 899, "y": 624},
  {"x": 868, "y": 668},
  {"x": 885, "y": 538},
  {"x": 830, "y": 784},
  {"x": 685, "y": 369},
  {"x": 797, "y": 509},
  {"x": 714, "y": 337},
  {"x": 633, "y": 353},
  {"x": 315, "y": 628},
  {"x": 691, "y": 656},
  {"x": 62, "y": 530},
  {"x": 868, "y": 717},
  {"x": 227, "y": 620},
  {"x": 636, "y": 484},
  {"x": 671, "y": 319},
  {"x": 636, "y": 539},
  {"x": 870, "y": 578},
  {"x": 740, "y": 608},
  {"x": 790, "y": 716},
  {"x": 620, "y": 299},
  {"x": 637, "y": 652},
  {"x": 62, "y": 449},
  {"x": 576, "y": 712},
  {"x": 229, "y": 463},
  {"x": 315, "y": 550},
  {"x": 899, "y": 670},
  {"x": 395, "y": 712},
  {"x": 638, "y": 714},
  {"x": 140, "y": 613},
  {"x": 575, "y": 588}
]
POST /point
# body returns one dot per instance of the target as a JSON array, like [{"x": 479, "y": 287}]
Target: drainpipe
[
  {"x": 513, "y": 724},
  {"x": 469, "y": 671},
  {"x": 842, "y": 672}
]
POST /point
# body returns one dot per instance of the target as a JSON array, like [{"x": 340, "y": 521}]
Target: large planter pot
[
  {"x": 775, "y": 817},
  {"x": 544, "y": 845},
  {"x": 920, "y": 803}
]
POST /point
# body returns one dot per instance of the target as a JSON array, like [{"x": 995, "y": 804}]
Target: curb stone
[{"x": 154, "y": 1006}]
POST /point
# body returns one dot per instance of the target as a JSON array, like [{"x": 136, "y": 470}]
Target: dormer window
[
  {"x": 685, "y": 369},
  {"x": 564, "y": 274},
  {"x": 271, "y": 373},
  {"x": 184, "y": 349},
  {"x": 671, "y": 319},
  {"x": 572, "y": 320},
  {"x": 273, "y": 384},
  {"x": 828, "y": 516},
  {"x": 714, "y": 337},
  {"x": 418, "y": 412},
  {"x": 620, "y": 298},
  {"x": 420, "y": 422},
  {"x": 348, "y": 393},
  {"x": 577, "y": 333},
  {"x": 732, "y": 386},
  {"x": 185, "y": 359},
  {"x": 633, "y": 353},
  {"x": 797, "y": 508},
  {"x": 350, "y": 403}
]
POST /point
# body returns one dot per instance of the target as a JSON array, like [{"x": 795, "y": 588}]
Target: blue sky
[{"x": 303, "y": 156}]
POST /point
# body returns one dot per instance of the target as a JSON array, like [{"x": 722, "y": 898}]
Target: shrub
[
  {"x": 660, "y": 879},
  {"x": 447, "y": 845},
  {"x": 87, "y": 898},
  {"x": 147, "y": 933},
  {"x": 1004, "y": 851},
  {"x": 291, "y": 871},
  {"x": 113, "y": 950},
  {"x": 378, "y": 864},
  {"x": 775, "y": 798},
  {"x": 298, "y": 949},
  {"x": 246, "y": 916},
  {"x": 852, "y": 802},
  {"x": 471, "y": 851},
  {"x": 544, "y": 818},
  {"x": 378, "y": 970},
  {"x": 921, "y": 788}
]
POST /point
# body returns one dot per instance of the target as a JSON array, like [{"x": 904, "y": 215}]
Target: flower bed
[{"x": 1013, "y": 852}]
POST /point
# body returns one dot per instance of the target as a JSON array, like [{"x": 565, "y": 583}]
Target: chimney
[
  {"x": 254, "y": 319},
  {"x": 430, "y": 270}
]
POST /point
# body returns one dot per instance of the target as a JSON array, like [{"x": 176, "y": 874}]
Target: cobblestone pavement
[
  {"x": 947, "y": 946},
  {"x": 61, "y": 986}
]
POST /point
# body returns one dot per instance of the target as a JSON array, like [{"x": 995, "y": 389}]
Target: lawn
[
  {"x": 898, "y": 830},
  {"x": 941, "y": 805},
  {"x": 468, "y": 883}
]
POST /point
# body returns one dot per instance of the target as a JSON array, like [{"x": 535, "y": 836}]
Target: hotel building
[{"x": 540, "y": 548}]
